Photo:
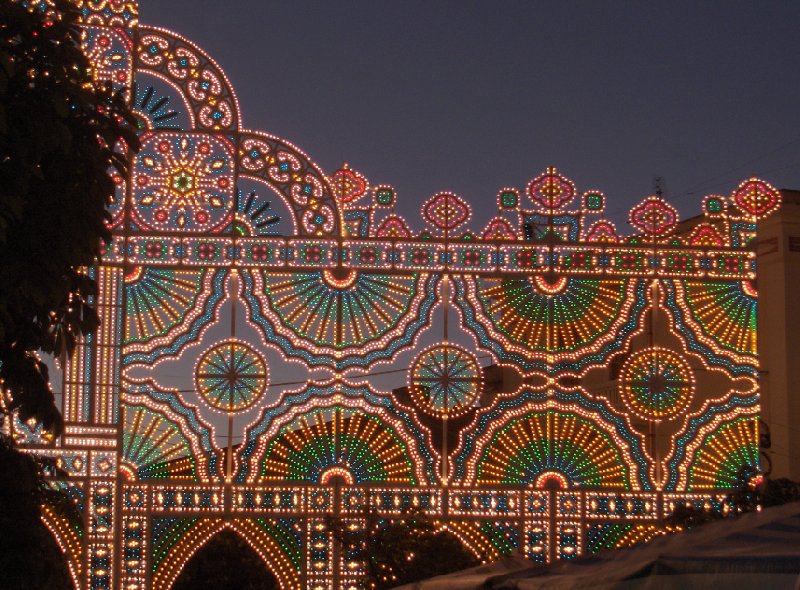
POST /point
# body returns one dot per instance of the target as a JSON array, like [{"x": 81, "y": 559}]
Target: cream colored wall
[{"x": 779, "y": 333}]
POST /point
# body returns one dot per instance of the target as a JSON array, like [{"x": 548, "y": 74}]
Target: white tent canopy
[{"x": 759, "y": 550}]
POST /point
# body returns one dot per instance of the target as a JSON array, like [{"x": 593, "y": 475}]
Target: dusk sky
[{"x": 474, "y": 96}]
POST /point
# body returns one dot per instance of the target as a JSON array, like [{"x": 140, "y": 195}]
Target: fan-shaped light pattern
[
  {"x": 726, "y": 312},
  {"x": 155, "y": 110},
  {"x": 362, "y": 444},
  {"x": 167, "y": 309},
  {"x": 445, "y": 380},
  {"x": 155, "y": 447},
  {"x": 231, "y": 376},
  {"x": 726, "y": 456},
  {"x": 158, "y": 299},
  {"x": 352, "y": 317},
  {"x": 552, "y": 441},
  {"x": 568, "y": 316},
  {"x": 656, "y": 383}
]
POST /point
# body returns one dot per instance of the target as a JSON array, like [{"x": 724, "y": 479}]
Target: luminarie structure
[{"x": 566, "y": 384}]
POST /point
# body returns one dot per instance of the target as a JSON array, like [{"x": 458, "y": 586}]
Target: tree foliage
[
  {"x": 60, "y": 135},
  {"x": 752, "y": 492},
  {"x": 764, "y": 493},
  {"x": 29, "y": 555},
  {"x": 402, "y": 550}
]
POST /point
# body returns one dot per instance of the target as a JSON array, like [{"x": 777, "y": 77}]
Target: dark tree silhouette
[
  {"x": 751, "y": 493},
  {"x": 226, "y": 562},
  {"x": 29, "y": 555},
  {"x": 399, "y": 551},
  {"x": 60, "y": 135}
]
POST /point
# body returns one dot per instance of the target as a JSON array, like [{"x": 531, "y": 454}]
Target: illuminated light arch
[
  {"x": 164, "y": 439},
  {"x": 69, "y": 538},
  {"x": 488, "y": 540},
  {"x": 291, "y": 174},
  {"x": 554, "y": 443},
  {"x": 363, "y": 319},
  {"x": 551, "y": 440},
  {"x": 722, "y": 455},
  {"x": 167, "y": 309},
  {"x": 568, "y": 323},
  {"x": 331, "y": 474},
  {"x": 177, "y": 540},
  {"x": 499, "y": 228},
  {"x": 202, "y": 82},
  {"x": 547, "y": 479},
  {"x": 589, "y": 296},
  {"x": 393, "y": 226},
  {"x": 333, "y": 425}
]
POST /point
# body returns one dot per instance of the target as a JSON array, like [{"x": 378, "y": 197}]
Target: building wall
[{"x": 779, "y": 333}]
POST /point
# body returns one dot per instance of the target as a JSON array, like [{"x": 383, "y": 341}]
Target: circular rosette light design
[
  {"x": 231, "y": 376},
  {"x": 445, "y": 380},
  {"x": 356, "y": 445},
  {"x": 340, "y": 317},
  {"x": 656, "y": 384},
  {"x": 568, "y": 321},
  {"x": 552, "y": 445},
  {"x": 725, "y": 456},
  {"x": 183, "y": 181}
]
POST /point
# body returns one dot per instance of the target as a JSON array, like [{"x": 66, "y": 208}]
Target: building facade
[{"x": 779, "y": 326}]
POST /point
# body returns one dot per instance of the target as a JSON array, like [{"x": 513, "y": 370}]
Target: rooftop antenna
[{"x": 659, "y": 182}]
